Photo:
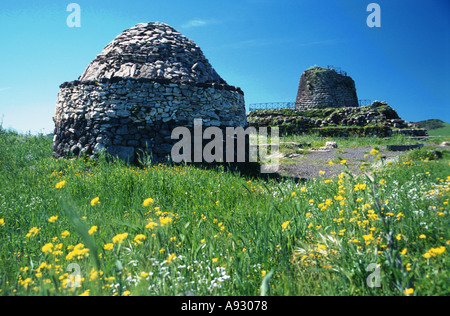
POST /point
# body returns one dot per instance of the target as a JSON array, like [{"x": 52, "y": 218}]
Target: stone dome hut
[
  {"x": 325, "y": 88},
  {"x": 149, "y": 80}
]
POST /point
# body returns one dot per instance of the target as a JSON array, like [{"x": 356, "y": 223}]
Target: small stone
[{"x": 99, "y": 148}]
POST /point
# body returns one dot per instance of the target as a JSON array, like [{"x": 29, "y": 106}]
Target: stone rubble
[{"x": 152, "y": 51}]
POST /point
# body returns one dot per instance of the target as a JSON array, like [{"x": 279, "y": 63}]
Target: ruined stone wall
[
  {"x": 325, "y": 88},
  {"x": 377, "y": 120},
  {"x": 125, "y": 117}
]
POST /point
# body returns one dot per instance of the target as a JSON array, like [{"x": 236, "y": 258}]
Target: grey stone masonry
[
  {"x": 148, "y": 81},
  {"x": 152, "y": 51},
  {"x": 325, "y": 88}
]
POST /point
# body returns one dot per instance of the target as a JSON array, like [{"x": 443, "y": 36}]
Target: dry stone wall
[
  {"x": 152, "y": 51},
  {"x": 128, "y": 116},
  {"x": 145, "y": 83},
  {"x": 325, "y": 88},
  {"x": 379, "y": 119}
]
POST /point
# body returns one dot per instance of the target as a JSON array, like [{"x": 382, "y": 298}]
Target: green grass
[
  {"x": 210, "y": 232},
  {"x": 431, "y": 124},
  {"x": 443, "y": 131},
  {"x": 435, "y": 127},
  {"x": 354, "y": 142}
]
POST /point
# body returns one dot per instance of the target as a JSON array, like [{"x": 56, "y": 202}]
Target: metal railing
[
  {"x": 365, "y": 102},
  {"x": 272, "y": 106},
  {"x": 291, "y": 105},
  {"x": 337, "y": 69}
]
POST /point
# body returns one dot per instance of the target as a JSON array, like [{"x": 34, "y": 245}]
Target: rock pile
[
  {"x": 379, "y": 119},
  {"x": 152, "y": 51},
  {"x": 148, "y": 81},
  {"x": 377, "y": 113}
]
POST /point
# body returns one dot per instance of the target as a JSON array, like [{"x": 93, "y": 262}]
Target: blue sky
[{"x": 262, "y": 46}]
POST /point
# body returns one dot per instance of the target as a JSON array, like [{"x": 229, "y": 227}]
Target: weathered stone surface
[
  {"x": 377, "y": 120},
  {"x": 148, "y": 81},
  {"x": 152, "y": 51},
  {"x": 325, "y": 88},
  {"x": 122, "y": 152},
  {"x": 403, "y": 147},
  {"x": 331, "y": 145}
]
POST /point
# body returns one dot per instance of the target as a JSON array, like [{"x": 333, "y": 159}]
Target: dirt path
[{"x": 310, "y": 165}]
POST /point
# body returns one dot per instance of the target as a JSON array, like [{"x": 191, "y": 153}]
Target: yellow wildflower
[
  {"x": 433, "y": 252},
  {"x": 93, "y": 230},
  {"x": 33, "y": 231},
  {"x": 408, "y": 292},
  {"x": 368, "y": 238},
  {"x": 47, "y": 248},
  {"x": 139, "y": 238},
  {"x": 285, "y": 225},
  {"x": 85, "y": 293},
  {"x": 427, "y": 255},
  {"x": 374, "y": 152},
  {"x": 359, "y": 187},
  {"x": 118, "y": 239},
  {"x": 79, "y": 252},
  {"x": 148, "y": 201},
  {"x": 53, "y": 219},
  {"x": 151, "y": 225},
  {"x": 171, "y": 257},
  {"x": 60, "y": 185},
  {"x": 94, "y": 274},
  {"x": 95, "y": 201},
  {"x": 108, "y": 247},
  {"x": 165, "y": 221}
]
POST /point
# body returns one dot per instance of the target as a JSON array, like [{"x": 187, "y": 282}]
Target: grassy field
[
  {"x": 435, "y": 127},
  {"x": 85, "y": 227},
  {"x": 443, "y": 131}
]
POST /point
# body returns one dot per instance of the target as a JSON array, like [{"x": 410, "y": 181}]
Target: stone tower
[
  {"x": 147, "y": 81},
  {"x": 325, "y": 88}
]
